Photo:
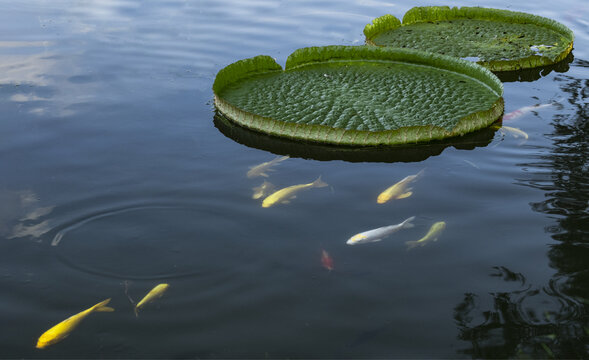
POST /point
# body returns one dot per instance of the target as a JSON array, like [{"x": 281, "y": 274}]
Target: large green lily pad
[
  {"x": 500, "y": 40},
  {"x": 359, "y": 95}
]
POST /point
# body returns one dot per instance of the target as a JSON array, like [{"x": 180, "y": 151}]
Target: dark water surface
[{"x": 110, "y": 151}]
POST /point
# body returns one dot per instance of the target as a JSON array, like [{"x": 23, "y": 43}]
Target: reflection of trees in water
[
  {"x": 553, "y": 320},
  {"x": 535, "y": 322}
]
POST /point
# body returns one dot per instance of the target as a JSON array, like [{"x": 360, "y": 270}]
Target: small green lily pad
[
  {"x": 359, "y": 95},
  {"x": 500, "y": 40}
]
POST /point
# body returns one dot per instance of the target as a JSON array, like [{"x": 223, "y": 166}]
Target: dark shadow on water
[
  {"x": 536, "y": 73},
  {"x": 552, "y": 320},
  {"x": 316, "y": 151}
]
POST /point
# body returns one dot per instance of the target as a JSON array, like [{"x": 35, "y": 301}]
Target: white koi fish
[
  {"x": 432, "y": 235},
  {"x": 524, "y": 110},
  {"x": 379, "y": 233},
  {"x": 260, "y": 170},
  {"x": 513, "y": 131},
  {"x": 285, "y": 195},
  {"x": 399, "y": 190},
  {"x": 263, "y": 190}
]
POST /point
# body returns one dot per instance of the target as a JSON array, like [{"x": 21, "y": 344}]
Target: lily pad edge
[
  {"x": 263, "y": 64},
  {"x": 442, "y": 13}
]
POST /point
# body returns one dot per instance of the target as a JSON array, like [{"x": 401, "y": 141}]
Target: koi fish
[
  {"x": 379, "y": 233},
  {"x": 524, "y": 110},
  {"x": 513, "y": 131},
  {"x": 263, "y": 190},
  {"x": 260, "y": 170},
  {"x": 398, "y": 191},
  {"x": 326, "y": 260},
  {"x": 155, "y": 293},
  {"x": 64, "y": 328},
  {"x": 284, "y": 195},
  {"x": 432, "y": 235}
]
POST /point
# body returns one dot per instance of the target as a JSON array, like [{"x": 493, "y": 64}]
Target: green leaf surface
[
  {"x": 501, "y": 40},
  {"x": 360, "y": 95}
]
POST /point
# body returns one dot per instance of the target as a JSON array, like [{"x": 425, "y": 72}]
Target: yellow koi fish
[
  {"x": 263, "y": 190},
  {"x": 64, "y": 328},
  {"x": 513, "y": 131},
  {"x": 260, "y": 170},
  {"x": 432, "y": 235},
  {"x": 400, "y": 190},
  {"x": 155, "y": 293},
  {"x": 285, "y": 195}
]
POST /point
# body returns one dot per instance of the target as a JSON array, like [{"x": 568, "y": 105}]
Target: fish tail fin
[
  {"x": 412, "y": 244},
  {"x": 101, "y": 306},
  {"x": 420, "y": 173},
  {"x": 319, "y": 182},
  {"x": 407, "y": 224},
  {"x": 278, "y": 160}
]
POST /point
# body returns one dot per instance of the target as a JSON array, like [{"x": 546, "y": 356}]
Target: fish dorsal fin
[{"x": 405, "y": 195}]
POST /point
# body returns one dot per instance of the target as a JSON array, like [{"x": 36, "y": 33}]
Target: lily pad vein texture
[
  {"x": 359, "y": 95},
  {"x": 500, "y": 40}
]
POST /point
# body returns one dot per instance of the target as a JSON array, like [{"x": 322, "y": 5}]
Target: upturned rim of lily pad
[
  {"x": 243, "y": 70},
  {"x": 424, "y": 14}
]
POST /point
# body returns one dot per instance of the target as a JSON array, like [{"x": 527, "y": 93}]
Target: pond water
[{"x": 115, "y": 176}]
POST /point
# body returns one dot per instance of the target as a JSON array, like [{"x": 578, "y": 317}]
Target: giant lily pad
[
  {"x": 359, "y": 95},
  {"x": 501, "y": 40}
]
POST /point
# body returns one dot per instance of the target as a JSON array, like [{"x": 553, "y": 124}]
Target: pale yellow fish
[
  {"x": 263, "y": 190},
  {"x": 64, "y": 328},
  {"x": 513, "y": 131},
  {"x": 285, "y": 195},
  {"x": 155, "y": 293},
  {"x": 399, "y": 190},
  {"x": 432, "y": 235},
  {"x": 261, "y": 170}
]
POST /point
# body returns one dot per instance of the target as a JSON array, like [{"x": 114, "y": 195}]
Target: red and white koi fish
[
  {"x": 326, "y": 260},
  {"x": 524, "y": 110}
]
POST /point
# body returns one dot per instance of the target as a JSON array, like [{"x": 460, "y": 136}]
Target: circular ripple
[{"x": 150, "y": 242}]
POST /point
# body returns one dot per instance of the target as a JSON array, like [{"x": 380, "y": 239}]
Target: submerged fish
[
  {"x": 284, "y": 195},
  {"x": 260, "y": 170},
  {"x": 64, "y": 328},
  {"x": 326, "y": 260},
  {"x": 400, "y": 190},
  {"x": 513, "y": 131},
  {"x": 379, "y": 233},
  {"x": 263, "y": 190},
  {"x": 155, "y": 293},
  {"x": 524, "y": 110},
  {"x": 432, "y": 235}
]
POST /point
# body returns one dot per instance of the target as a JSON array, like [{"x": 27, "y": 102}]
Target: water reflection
[
  {"x": 412, "y": 153},
  {"x": 549, "y": 321},
  {"x": 22, "y": 216},
  {"x": 527, "y": 322},
  {"x": 536, "y": 73}
]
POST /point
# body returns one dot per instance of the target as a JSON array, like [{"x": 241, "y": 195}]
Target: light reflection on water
[{"x": 108, "y": 140}]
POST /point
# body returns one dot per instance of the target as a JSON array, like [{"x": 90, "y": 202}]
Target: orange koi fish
[{"x": 326, "y": 260}]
